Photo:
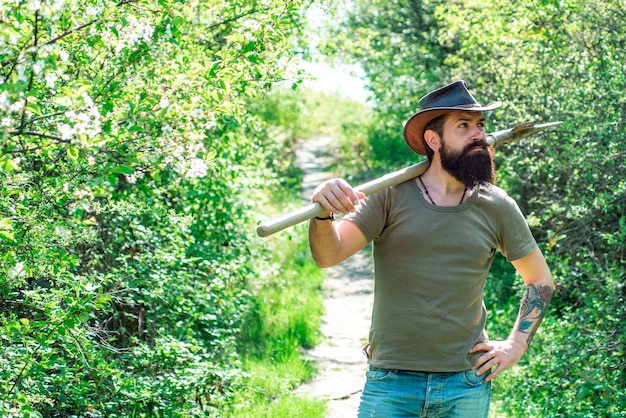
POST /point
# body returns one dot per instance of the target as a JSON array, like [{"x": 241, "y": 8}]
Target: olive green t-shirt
[{"x": 431, "y": 263}]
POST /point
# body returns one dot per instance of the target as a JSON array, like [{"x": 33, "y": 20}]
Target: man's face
[{"x": 464, "y": 152}]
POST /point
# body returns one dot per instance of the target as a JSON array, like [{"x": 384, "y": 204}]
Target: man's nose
[{"x": 478, "y": 134}]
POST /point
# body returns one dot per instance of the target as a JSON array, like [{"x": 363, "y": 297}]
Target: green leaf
[
  {"x": 123, "y": 169},
  {"x": 6, "y": 223},
  {"x": 102, "y": 301},
  {"x": 73, "y": 153},
  {"x": 108, "y": 106},
  {"x": 248, "y": 47},
  {"x": 112, "y": 179},
  {"x": 8, "y": 165},
  {"x": 82, "y": 89},
  {"x": 31, "y": 107},
  {"x": 70, "y": 322},
  {"x": 7, "y": 235},
  {"x": 6, "y": 229}
]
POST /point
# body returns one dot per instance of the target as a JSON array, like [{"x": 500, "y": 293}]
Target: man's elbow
[
  {"x": 548, "y": 280},
  {"x": 323, "y": 262}
]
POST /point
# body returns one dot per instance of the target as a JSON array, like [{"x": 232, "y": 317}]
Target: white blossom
[
  {"x": 57, "y": 6},
  {"x": 66, "y": 131},
  {"x": 196, "y": 113},
  {"x": 179, "y": 167},
  {"x": 211, "y": 121},
  {"x": 34, "y": 5},
  {"x": 137, "y": 30},
  {"x": 197, "y": 168},
  {"x": 84, "y": 121},
  {"x": 51, "y": 79},
  {"x": 94, "y": 10},
  {"x": 166, "y": 130},
  {"x": 46, "y": 50},
  {"x": 21, "y": 73},
  {"x": 17, "y": 270},
  {"x": 4, "y": 101},
  {"x": 62, "y": 232},
  {"x": 252, "y": 25},
  {"x": 17, "y": 106},
  {"x": 82, "y": 193},
  {"x": 88, "y": 101}
]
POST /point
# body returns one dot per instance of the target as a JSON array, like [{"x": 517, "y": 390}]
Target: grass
[
  {"x": 289, "y": 310},
  {"x": 268, "y": 391}
]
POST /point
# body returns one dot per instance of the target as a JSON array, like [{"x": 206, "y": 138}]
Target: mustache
[{"x": 481, "y": 144}]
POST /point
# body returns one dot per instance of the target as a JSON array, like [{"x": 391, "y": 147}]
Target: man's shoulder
[
  {"x": 495, "y": 196},
  {"x": 493, "y": 191},
  {"x": 397, "y": 189}
]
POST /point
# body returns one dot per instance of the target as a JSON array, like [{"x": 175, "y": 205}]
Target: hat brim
[{"x": 414, "y": 127}]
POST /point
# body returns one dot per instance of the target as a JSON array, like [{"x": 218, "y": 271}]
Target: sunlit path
[{"x": 348, "y": 296}]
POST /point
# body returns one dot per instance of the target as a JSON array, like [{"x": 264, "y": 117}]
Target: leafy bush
[{"x": 127, "y": 162}]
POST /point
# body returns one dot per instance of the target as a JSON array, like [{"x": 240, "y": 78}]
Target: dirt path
[{"x": 348, "y": 296}]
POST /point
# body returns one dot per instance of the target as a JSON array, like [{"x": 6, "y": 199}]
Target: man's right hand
[
  {"x": 337, "y": 196},
  {"x": 333, "y": 242}
]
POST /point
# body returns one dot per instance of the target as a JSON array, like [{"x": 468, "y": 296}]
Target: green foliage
[
  {"x": 282, "y": 332},
  {"x": 547, "y": 61},
  {"x": 127, "y": 162},
  {"x": 304, "y": 113},
  {"x": 288, "y": 316}
]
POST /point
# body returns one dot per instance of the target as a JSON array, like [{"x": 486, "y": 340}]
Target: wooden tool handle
[
  {"x": 315, "y": 209},
  {"x": 506, "y": 136}
]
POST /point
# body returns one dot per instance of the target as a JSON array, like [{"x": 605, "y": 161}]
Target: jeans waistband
[{"x": 411, "y": 372}]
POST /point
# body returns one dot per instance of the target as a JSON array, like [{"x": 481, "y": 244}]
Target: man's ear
[{"x": 432, "y": 139}]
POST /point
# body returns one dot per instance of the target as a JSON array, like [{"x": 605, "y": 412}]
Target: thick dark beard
[{"x": 472, "y": 169}]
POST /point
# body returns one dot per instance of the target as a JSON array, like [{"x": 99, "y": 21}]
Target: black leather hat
[{"x": 452, "y": 97}]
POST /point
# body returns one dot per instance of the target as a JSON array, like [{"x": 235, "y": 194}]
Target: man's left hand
[{"x": 498, "y": 356}]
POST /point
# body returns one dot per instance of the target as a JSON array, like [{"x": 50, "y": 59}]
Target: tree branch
[
  {"x": 38, "y": 118},
  {"x": 234, "y": 18},
  {"x": 39, "y": 134},
  {"x": 71, "y": 31}
]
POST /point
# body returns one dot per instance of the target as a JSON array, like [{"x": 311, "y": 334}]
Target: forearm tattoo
[{"x": 533, "y": 308}]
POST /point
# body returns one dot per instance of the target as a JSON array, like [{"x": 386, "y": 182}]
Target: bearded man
[{"x": 435, "y": 238}]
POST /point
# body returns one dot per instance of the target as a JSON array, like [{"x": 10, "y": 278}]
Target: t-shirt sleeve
[
  {"x": 516, "y": 239},
  {"x": 370, "y": 215}
]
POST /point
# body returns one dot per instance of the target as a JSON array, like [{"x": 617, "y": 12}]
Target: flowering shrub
[{"x": 127, "y": 159}]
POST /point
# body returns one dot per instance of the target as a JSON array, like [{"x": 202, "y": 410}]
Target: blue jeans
[{"x": 396, "y": 393}]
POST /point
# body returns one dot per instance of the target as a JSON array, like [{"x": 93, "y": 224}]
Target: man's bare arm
[
  {"x": 332, "y": 242},
  {"x": 533, "y": 307},
  {"x": 532, "y": 310}
]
